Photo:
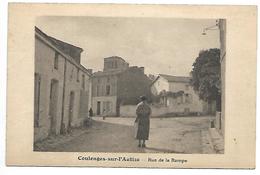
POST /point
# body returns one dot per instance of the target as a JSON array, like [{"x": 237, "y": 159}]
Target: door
[
  {"x": 186, "y": 110},
  {"x": 98, "y": 108},
  {"x": 53, "y": 105},
  {"x": 37, "y": 90},
  {"x": 71, "y": 109}
]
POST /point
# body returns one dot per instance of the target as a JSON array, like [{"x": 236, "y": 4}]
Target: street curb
[
  {"x": 207, "y": 145},
  {"x": 217, "y": 140}
]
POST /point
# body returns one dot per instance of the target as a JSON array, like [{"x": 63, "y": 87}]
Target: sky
[{"x": 161, "y": 45}]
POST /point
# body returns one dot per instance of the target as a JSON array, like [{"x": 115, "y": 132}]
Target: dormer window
[
  {"x": 83, "y": 81},
  {"x": 78, "y": 75}
]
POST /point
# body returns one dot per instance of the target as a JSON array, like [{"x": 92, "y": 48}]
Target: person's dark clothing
[
  {"x": 90, "y": 112},
  {"x": 143, "y": 112}
]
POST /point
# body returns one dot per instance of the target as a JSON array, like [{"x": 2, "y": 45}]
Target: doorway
[
  {"x": 98, "y": 108},
  {"x": 71, "y": 109},
  {"x": 37, "y": 93},
  {"x": 53, "y": 105}
]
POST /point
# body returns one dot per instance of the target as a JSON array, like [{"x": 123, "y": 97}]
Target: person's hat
[{"x": 143, "y": 98}]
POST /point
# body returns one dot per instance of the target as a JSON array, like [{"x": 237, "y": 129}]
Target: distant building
[
  {"x": 175, "y": 92},
  {"x": 116, "y": 85},
  {"x": 62, "y": 87}
]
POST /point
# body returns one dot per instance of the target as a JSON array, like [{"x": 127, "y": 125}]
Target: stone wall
[{"x": 129, "y": 110}]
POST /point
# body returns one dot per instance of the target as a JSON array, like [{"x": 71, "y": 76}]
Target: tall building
[
  {"x": 62, "y": 87},
  {"x": 116, "y": 85}
]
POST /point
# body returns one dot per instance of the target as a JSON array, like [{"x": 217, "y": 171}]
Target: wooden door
[
  {"x": 98, "y": 108},
  {"x": 71, "y": 108},
  {"x": 53, "y": 105}
]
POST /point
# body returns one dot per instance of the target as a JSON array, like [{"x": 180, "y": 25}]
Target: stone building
[
  {"x": 176, "y": 93},
  {"x": 62, "y": 87},
  {"x": 116, "y": 85}
]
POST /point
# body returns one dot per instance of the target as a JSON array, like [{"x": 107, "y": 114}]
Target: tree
[{"x": 206, "y": 74}]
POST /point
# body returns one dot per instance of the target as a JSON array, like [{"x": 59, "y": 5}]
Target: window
[
  {"x": 115, "y": 64},
  {"x": 187, "y": 87},
  {"x": 78, "y": 75},
  {"x": 108, "y": 90},
  {"x": 112, "y": 64},
  {"x": 56, "y": 60},
  {"x": 97, "y": 90},
  {"x": 190, "y": 98},
  {"x": 186, "y": 110},
  {"x": 37, "y": 88},
  {"x": 186, "y": 98},
  {"x": 102, "y": 90},
  {"x": 51, "y": 96},
  {"x": 180, "y": 100},
  {"x": 107, "y": 106},
  {"x": 83, "y": 81},
  {"x": 108, "y": 79}
]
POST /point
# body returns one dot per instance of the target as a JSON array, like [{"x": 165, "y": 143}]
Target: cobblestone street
[{"x": 167, "y": 135}]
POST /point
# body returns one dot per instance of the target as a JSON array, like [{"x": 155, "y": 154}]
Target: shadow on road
[
  {"x": 101, "y": 137},
  {"x": 104, "y": 136}
]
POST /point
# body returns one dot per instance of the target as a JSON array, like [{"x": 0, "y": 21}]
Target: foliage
[
  {"x": 171, "y": 94},
  {"x": 133, "y": 100},
  {"x": 206, "y": 75},
  {"x": 156, "y": 98}
]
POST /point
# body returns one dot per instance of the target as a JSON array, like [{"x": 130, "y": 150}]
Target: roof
[
  {"x": 106, "y": 73},
  {"x": 171, "y": 78},
  {"x": 67, "y": 48},
  {"x": 64, "y": 48},
  {"x": 115, "y": 57}
]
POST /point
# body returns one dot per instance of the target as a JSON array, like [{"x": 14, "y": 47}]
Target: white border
[{"x": 43, "y": 170}]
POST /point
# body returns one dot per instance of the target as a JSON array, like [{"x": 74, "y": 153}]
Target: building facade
[
  {"x": 176, "y": 93},
  {"x": 62, "y": 87},
  {"x": 116, "y": 85}
]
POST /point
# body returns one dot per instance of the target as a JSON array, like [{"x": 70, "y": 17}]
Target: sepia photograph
[{"x": 137, "y": 85}]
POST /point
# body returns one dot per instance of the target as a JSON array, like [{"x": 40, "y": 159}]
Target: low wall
[{"x": 129, "y": 110}]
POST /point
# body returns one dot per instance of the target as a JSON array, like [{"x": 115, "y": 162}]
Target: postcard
[{"x": 113, "y": 85}]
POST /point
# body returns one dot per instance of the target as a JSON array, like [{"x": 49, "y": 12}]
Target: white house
[{"x": 177, "y": 94}]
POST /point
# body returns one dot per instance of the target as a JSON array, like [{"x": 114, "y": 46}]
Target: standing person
[
  {"x": 90, "y": 112},
  {"x": 143, "y": 112},
  {"x": 104, "y": 114}
]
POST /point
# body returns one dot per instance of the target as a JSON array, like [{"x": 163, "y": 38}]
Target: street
[{"x": 167, "y": 135}]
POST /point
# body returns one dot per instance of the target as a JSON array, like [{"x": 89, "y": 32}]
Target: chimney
[
  {"x": 142, "y": 69},
  {"x": 90, "y": 70}
]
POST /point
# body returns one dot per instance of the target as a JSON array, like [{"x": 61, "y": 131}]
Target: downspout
[
  {"x": 90, "y": 93},
  {"x": 63, "y": 128}
]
